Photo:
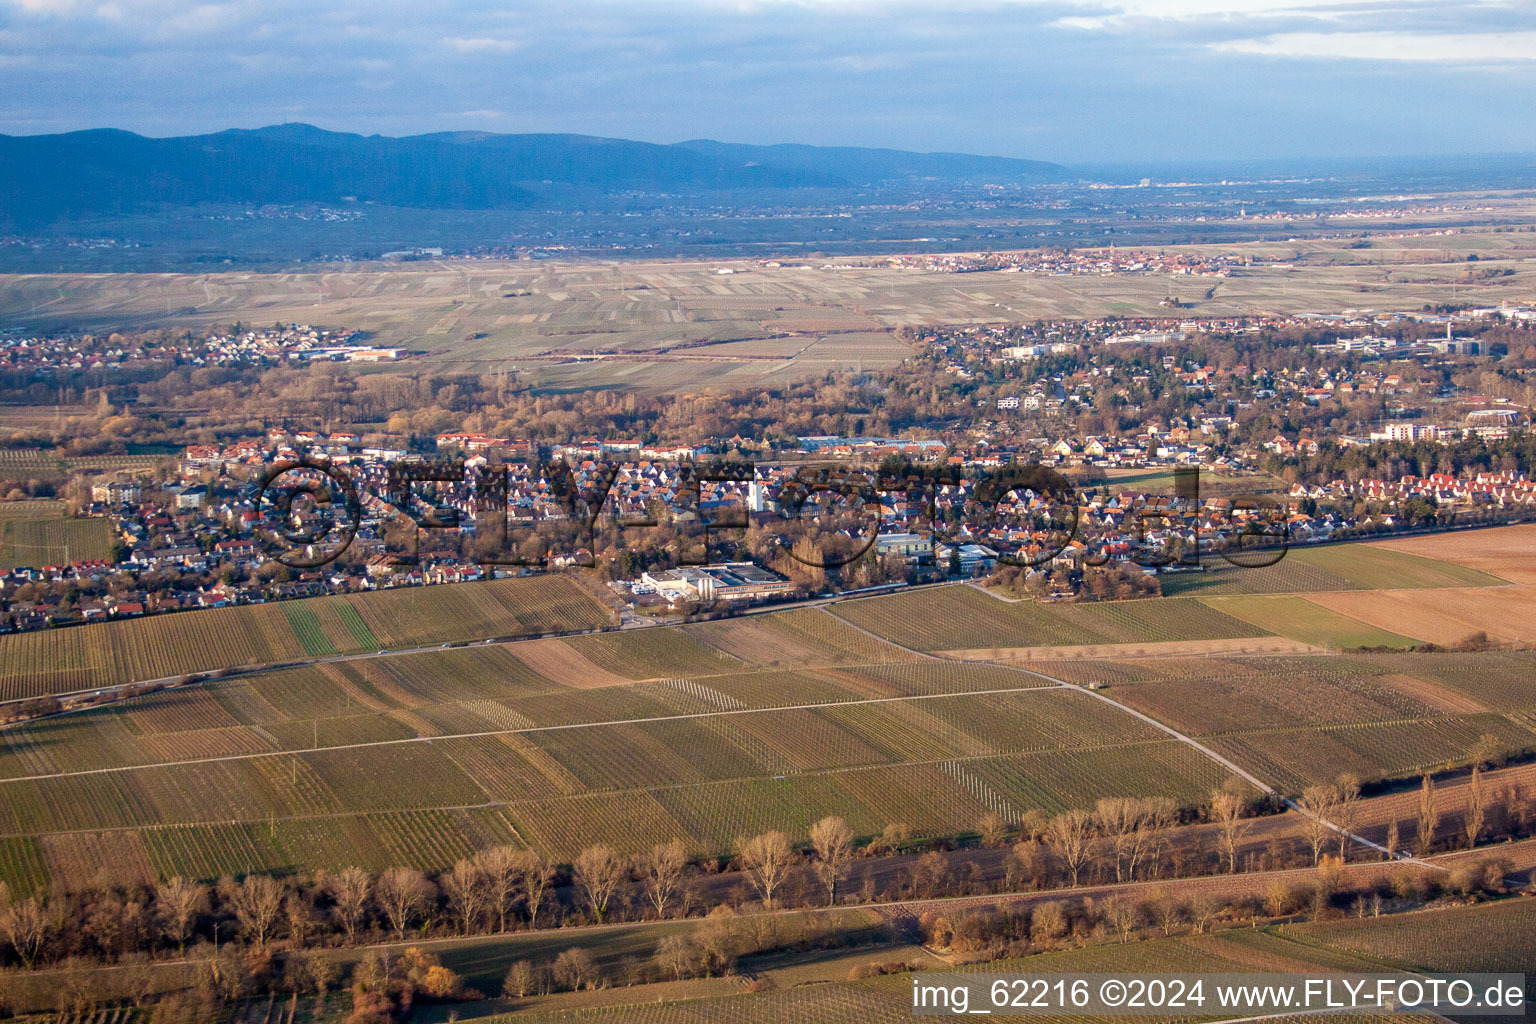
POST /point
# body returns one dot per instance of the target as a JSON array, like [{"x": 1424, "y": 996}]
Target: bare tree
[
  {"x": 257, "y": 901},
  {"x": 1393, "y": 842},
  {"x": 766, "y": 859},
  {"x": 1348, "y": 811},
  {"x": 499, "y": 866},
  {"x": 992, "y": 829},
  {"x": 1227, "y": 807},
  {"x": 891, "y": 840},
  {"x": 1124, "y": 913},
  {"x": 519, "y": 981},
  {"x": 465, "y": 889},
  {"x": 677, "y": 956},
  {"x": 832, "y": 841},
  {"x": 1477, "y": 809},
  {"x": 575, "y": 969},
  {"x": 1203, "y": 908},
  {"x": 1119, "y": 819},
  {"x": 533, "y": 878},
  {"x": 350, "y": 890},
  {"x": 661, "y": 871},
  {"x": 1428, "y": 819},
  {"x": 404, "y": 894},
  {"x": 1317, "y": 803},
  {"x": 599, "y": 871},
  {"x": 1167, "y": 910},
  {"x": 25, "y": 924},
  {"x": 1161, "y": 818},
  {"x": 1071, "y": 837},
  {"x": 1033, "y": 824},
  {"x": 179, "y": 902},
  {"x": 299, "y": 913}
]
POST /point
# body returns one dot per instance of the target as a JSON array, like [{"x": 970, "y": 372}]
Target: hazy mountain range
[{"x": 103, "y": 172}]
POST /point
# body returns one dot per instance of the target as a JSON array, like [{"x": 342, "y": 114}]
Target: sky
[{"x": 1074, "y": 81}]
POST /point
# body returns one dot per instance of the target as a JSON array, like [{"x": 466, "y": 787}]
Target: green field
[
  {"x": 160, "y": 646},
  {"x": 1328, "y": 567},
  {"x": 1300, "y": 619},
  {"x": 38, "y": 533}
]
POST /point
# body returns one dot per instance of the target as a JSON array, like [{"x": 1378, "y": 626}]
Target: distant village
[{"x": 249, "y": 347}]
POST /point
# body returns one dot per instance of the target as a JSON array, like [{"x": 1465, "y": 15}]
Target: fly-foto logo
[{"x": 308, "y": 513}]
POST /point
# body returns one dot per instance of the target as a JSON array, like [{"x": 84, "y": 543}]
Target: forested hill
[{"x": 47, "y": 178}]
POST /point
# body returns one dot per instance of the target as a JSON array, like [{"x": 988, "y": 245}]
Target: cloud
[
  {"x": 1465, "y": 48},
  {"x": 203, "y": 19},
  {"x": 481, "y": 44},
  {"x": 55, "y": 7}
]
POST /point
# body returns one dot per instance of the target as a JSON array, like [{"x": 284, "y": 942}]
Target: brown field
[
  {"x": 1160, "y": 649},
  {"x": 1508, "y": 552},
  {"x": 118, "y": 858},
  {"x": 559, "y": 663},
  {"x": 1506, "y": 614},
  {"x": 1438, "y": 697}
]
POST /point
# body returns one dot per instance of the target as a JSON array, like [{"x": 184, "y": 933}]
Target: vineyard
[
  {"x": 1208, "y": 699},
  {"x": 1499, "y": 681},
  {"x": 559, "y": 765},
  {"x": 1328, "y": 568},
  {"x": 162, "y": 646},
  {"x": 1496, "y": 937},
  {"x": 51, "y": 539},
  {"x": 36, "y": 462},
  {"x": 888, "y": 999},
  {"x": 808, "y": 636},
  {"x": 963, "y": 618},
  {"x": 703, "y": 733},
  {"x": 1295, "y": 758},
  {"x": 1300, "y": 619},
  {"x": 436, "y": 693}
]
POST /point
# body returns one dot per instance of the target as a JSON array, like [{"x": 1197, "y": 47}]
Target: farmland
[
  {"x": 960, "y": 618},
  {"x": 702, "y": 732},
  {"x": 38, "y": 533},
  {"x": 1497, "y": 937},
  {"x": 1295, "y": 721},
  {"x": 1332, "y": 567},
  {"x": 672, "y": 324},
  {"x": 1508, "y": 552},
  {"x": 1301, "y": 619},
  {"x": 889, "y": 999},
  {"x": 403, "y": 754},
  {"x": 1444, "y": 616},
  {"x": 160, "y": 646}
]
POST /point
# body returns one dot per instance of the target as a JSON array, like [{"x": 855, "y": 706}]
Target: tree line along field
[
  {"x": 161, "y": 646},
  {"x": 38, "y": 533},
  {"x": 963, "y": 618}
]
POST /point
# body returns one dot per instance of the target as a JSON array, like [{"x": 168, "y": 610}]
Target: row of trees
[{"x": 1121, "y": 839}]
